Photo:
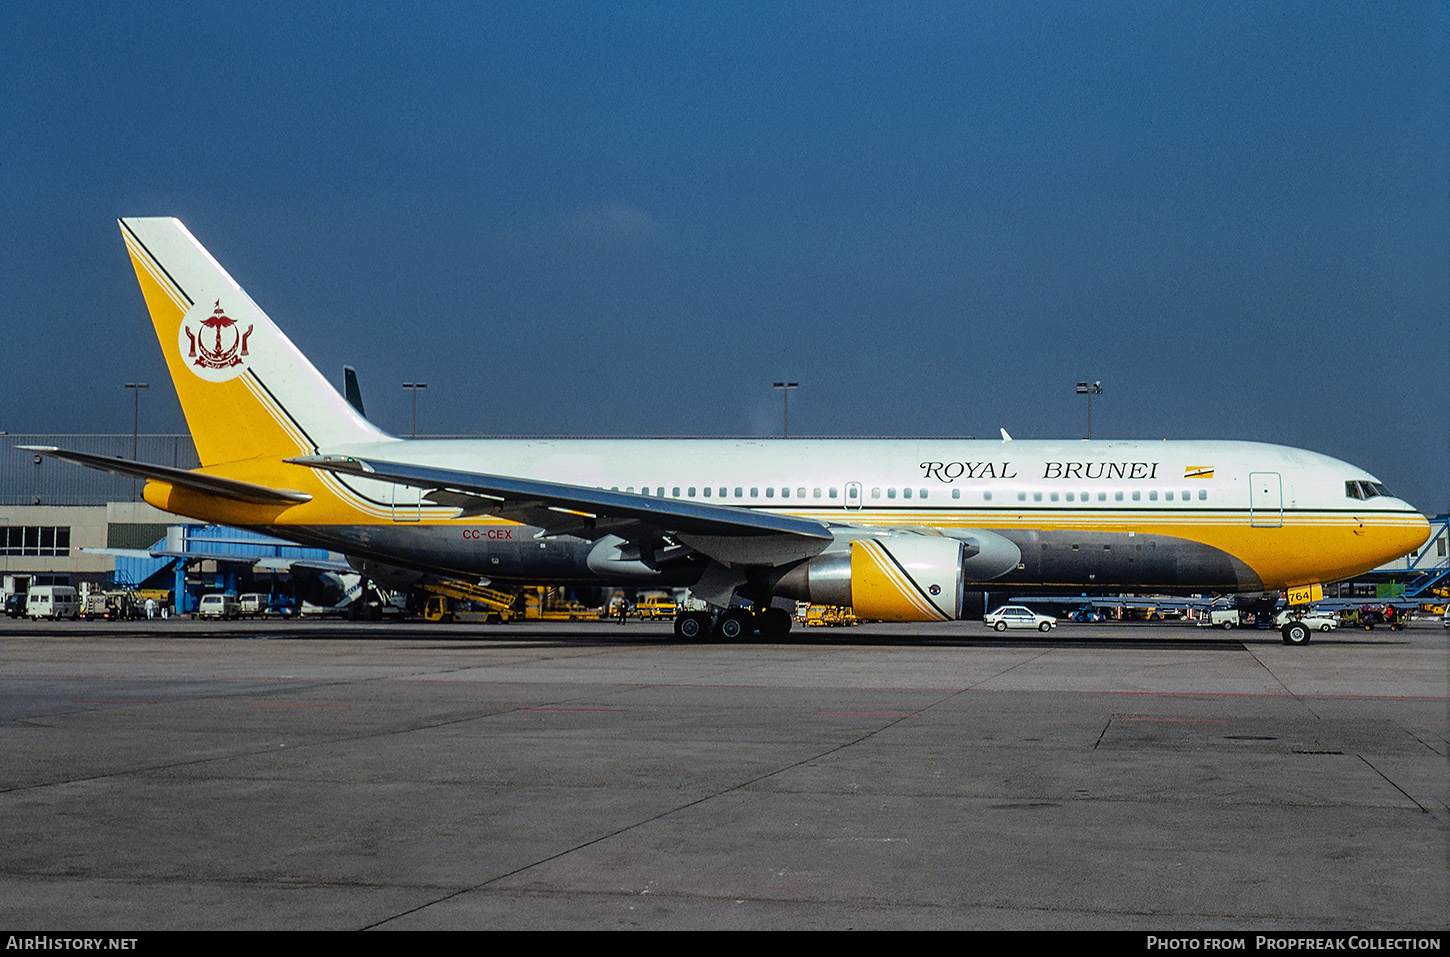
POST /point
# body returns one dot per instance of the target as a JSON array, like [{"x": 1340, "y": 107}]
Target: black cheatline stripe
[
  {"x": 342, "y": 480},
  {"x": 157, "y": 263}
]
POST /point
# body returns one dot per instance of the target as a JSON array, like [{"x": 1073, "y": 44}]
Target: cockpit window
[{"x": 1365, "y": 490}]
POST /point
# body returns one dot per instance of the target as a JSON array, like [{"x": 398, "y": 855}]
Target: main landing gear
[{"x": 733, "y": 624}]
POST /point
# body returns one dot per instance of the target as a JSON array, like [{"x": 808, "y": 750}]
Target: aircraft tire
[
  {"x": 775, "y": 623},
  {"x": 735, "y": 624},
  {"x": 692, "y": 625},
  {"x": 1296, "y": 633}
]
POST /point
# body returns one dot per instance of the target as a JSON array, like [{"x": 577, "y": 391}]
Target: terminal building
[{"x": 53, "y": 514}]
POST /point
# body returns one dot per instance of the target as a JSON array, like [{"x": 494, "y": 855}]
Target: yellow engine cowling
[
  {"x": 907, "y": 578},
  {"x": 890, "y": 578}
]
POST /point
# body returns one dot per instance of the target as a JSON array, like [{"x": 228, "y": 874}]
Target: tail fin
[{"x": 246, "y": 390}]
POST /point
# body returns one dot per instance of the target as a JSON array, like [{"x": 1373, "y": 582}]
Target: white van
[
  {"x": 252, "y": 605},
  {"x": 218, "y": 605},
  {"x": 52, "y": 601}
]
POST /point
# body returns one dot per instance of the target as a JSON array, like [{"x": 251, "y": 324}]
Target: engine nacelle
[{"x": 896, "y": 578}]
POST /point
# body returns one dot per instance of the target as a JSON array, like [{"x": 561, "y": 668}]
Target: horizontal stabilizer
[{"x": 180, "y": 478}]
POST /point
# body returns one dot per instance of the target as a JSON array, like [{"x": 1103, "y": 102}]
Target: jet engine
[{"x": 900, "y": 577}]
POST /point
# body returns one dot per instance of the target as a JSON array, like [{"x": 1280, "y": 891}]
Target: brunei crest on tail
[{"x": 213, "y": 344}]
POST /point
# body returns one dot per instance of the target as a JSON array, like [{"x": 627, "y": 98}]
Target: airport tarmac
[{"x": 339, "y": 776}]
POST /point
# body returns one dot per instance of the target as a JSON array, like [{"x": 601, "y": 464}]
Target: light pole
[
  {"x": 785, "y": 388},
  {"x": 414, "y": 387},
  {"x": 136, "y": 389},
  {"x": 1090, "y": 389}
]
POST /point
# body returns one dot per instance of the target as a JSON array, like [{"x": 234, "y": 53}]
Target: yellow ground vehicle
[
  {"x": 546, "y": 604},
  {"x": 657, "y": 606},
  {"x": 460, "y": 601},
  {"x": 822, "y": 616}
]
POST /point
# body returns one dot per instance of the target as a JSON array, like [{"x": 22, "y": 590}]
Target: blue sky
[{"x": 631, "y": 218}]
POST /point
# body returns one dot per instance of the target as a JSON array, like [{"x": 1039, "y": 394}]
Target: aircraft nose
[{"x": 1408, "y": 536}]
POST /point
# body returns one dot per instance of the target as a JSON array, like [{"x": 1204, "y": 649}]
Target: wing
[{"x": 735, "y": 536}]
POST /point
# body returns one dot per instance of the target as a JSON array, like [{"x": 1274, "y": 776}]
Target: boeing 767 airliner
[{"x": 899, "y": 529}]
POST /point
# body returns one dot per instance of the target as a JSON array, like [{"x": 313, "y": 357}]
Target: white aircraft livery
[{"x": 899, "y": 529}]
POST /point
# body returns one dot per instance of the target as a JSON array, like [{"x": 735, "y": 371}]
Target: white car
[
  {"x": 1017, "y": 616},
  {"x": 1312, "y": 621}
]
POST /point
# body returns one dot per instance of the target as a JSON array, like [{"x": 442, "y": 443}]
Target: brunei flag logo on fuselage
[
  {"x": 1198, "y": 471},
  {"x": 212, "y": 343}
]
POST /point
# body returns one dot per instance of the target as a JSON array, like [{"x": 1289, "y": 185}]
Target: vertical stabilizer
[{"x": 245, "y": 388}]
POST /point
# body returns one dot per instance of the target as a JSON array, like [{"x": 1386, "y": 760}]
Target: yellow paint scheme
[
  {"x": 228, "y": 420},
  {"x": 880, "y": 591}
]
